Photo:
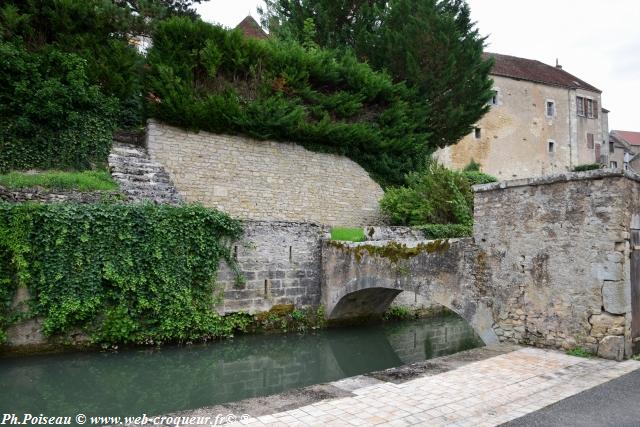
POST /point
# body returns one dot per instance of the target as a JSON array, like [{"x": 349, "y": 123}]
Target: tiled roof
[
  {"x": 535, "y": 71},
  {"x": 251, "y": 28},
  {"x": 632, "y": 138}
]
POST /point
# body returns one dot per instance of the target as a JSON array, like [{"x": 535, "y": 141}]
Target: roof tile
[{"x": 536, "y": 71}]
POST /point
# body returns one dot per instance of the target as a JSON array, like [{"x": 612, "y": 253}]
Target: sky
[{"x": 597, "y": 41}]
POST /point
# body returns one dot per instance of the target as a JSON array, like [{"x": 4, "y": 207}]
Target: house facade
[
  {"x": 622, "y": 142},
  {"x": 542, "y": 120}
]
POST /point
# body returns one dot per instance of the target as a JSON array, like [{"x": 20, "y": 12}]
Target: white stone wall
[{"x": 265, "y": 180}]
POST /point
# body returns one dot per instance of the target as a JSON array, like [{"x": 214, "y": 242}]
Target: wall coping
[{"x": 553, "y": 179}]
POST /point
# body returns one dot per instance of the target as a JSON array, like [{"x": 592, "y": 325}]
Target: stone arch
[{"x": 372, "y": 295}]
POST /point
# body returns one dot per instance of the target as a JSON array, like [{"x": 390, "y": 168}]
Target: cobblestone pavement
[{"x": 484, "y": 393}]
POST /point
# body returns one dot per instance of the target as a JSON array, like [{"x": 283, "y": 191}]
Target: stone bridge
[
  {"x": 553, "y": 262},
  {"x": 362, "y": 279}
]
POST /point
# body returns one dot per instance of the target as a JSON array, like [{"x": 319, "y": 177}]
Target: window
[
  {"x": 478, "y": 133},
  {"x": 587, "y": 107},
  {"x": 550, "y": 109},
  {"x": 613, "y": 164},
  {"x": 580, "y": 104},
  {"x": 552, "y": 146},
  {"x": 494, "y": 98},
  {"x": 590, "y": 141},
  {"x": 612, "y": 149}
]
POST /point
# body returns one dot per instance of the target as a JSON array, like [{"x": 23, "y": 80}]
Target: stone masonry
[
  {"x": 558, "y": 249},
  {"x": 265, "y": 180},
  {"x": 139, "y": 177},
  {"x": 280, "y": 262},
  {"x": 553, "y": 263}
]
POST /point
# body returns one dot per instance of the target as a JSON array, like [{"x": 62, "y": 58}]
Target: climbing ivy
[{"x": 118, "y": 273}]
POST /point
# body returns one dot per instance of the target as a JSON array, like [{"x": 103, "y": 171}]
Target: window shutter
[
  {"x": 590, "y": 140},
  {"x": 595, "y": 109}
]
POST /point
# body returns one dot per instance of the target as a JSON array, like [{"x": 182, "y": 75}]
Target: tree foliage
[
  {"x": 205, "y": 77},
  {"x": 431, "y": 44},
  {"x": 50, "y": 115}
]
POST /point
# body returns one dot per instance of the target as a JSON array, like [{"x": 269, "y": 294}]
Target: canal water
[{"x": 153, "y": 382}]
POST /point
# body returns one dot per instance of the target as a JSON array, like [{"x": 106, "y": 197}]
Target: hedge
[
  {"x": 203, "y": 77},
  {"x": 50, "y": 116}
]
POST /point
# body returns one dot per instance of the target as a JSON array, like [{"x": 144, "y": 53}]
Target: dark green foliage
[
  {"x": 205, "y": 77},
  {"x": 446, "y": 231},
  {"x": 435, "y": 196},
  {"x": 587, "y": 167},
  {"x": 50, "y": 115},
  {"x": 397, "y": 312},
  {"x": 98, "y": 31},
  {"x": 120, "y": 273},
  {"x": 473, "y": 166},
  {"x": 432, "y": 45}
]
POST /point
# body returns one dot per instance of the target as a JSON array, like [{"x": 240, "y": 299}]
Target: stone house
[
  {"x": 621, "y": 142},
  {"x": 542, "y": 121}
]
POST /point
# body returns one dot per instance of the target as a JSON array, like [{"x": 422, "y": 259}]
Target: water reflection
[{"x": 179, "y": 378}]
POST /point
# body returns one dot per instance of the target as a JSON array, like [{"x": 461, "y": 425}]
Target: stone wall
[
  {"x": 265, "y": 180},
  {"x": 43, "y": 195},
  {"x": 280, "y": 262},
  {"x": 558, "y": 253}
]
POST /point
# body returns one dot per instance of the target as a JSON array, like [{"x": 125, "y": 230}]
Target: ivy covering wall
[
  {"x": 118, "y": 273},
  {"x": 203, "y": 77}
]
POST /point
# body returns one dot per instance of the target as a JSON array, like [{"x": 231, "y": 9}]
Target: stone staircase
[{"x": 139, "y": 177}]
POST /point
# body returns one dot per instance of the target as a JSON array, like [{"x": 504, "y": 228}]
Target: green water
[{"x": 136, "y": 382}]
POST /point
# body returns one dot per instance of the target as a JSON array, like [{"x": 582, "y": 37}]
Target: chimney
[{"x": 558, "y": 66}]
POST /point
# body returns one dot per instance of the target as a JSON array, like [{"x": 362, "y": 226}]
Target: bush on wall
[
  {"x": 119, "y": 273},
  {"x": 435, "y": 196},
  {"x": 50, "y": 116},
  {"x": 204, "y": 77}
]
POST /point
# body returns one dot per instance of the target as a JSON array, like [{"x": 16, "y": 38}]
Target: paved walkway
[{"x": 484, "y": 393}]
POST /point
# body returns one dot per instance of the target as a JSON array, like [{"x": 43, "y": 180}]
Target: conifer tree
[{"x": 431, "y": 44}]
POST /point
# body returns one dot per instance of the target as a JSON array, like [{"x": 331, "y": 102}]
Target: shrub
[
  {"x": 138, "y": 273},
  {"x": 436, "y": 195},
  {"x": 205, "y": 77},
  {"x": 473, "y": 166},
  {"x": 397, "y": 312},
  {"x": 50, "y": 116},
  {"x": 587, "y": 167},
  {"x": 446, "y": 231},
  {"x": 348, "y": 234}
]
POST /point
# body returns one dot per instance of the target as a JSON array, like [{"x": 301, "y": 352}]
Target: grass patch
[
  {"x": 348, "y": 234},
  {"x": 579, "y": 352},
  {"x": 58, "y": 180}
]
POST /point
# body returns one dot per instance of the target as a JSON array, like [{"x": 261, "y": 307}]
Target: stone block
[
  {"x": 604, "y": 323},
  {"x": 611, "y": 347},
  {"x": 614, "y": 297}
]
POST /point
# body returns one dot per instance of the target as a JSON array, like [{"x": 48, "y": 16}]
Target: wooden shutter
[
  {"x": 597, "y": 153},
  {"x": 590, "y": 140},
  {"x": 595, "y": 109}
]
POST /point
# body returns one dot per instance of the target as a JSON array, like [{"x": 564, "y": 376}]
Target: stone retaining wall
[
  {"x": 265, "y": 180},
  {"x": 44, "y": 195}
]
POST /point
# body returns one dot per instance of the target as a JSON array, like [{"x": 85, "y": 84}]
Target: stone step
[{"x": 139, "y": 177}]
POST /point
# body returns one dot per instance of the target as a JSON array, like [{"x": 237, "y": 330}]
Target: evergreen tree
[{"x": 431, "y": 44}]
